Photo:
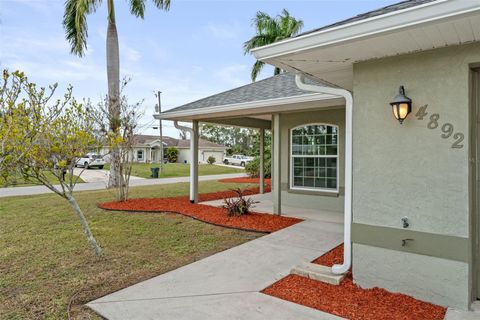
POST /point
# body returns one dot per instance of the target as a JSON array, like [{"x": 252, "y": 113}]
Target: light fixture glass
[{"x": 401, "y": 105}]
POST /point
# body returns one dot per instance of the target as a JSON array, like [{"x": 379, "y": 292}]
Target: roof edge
[
  {"x": 423, "y": 13},
  {"x": 244, "y": 106}
]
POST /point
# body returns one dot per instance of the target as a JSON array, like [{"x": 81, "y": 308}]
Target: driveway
[
  {"x": 227, "y": 284},
  {"x": 96, "y": 175}
]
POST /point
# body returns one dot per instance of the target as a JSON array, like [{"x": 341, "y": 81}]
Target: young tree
[
  {"x": 269, "y": 30},
  {"x": 41, "y": 140},
  {"x": 76, "y": 32},
  {"x": 122, "y": 140}
]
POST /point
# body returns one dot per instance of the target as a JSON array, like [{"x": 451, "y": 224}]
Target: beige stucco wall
[
  {"x": 409, "y": 170},
  {"x": 312, "y": 200}
]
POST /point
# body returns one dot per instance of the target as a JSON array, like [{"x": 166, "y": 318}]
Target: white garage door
[{"x": 218, "y": 155}]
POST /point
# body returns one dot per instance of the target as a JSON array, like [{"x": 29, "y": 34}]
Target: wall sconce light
[{"x": 401, "y": 105}]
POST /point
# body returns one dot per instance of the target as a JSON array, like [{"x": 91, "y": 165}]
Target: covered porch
[
  {"x": 278, "y": 105},
  {"x": 310, "y": 123}
]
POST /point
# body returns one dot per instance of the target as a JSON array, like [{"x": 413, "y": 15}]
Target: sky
[{"x": 190, "y": 52}]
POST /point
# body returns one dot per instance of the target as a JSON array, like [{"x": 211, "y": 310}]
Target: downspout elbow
[
  {"x": 347, "y": 95},
  {"x": 183, "y": 128}
]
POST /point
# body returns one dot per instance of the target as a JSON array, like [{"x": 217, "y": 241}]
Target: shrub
[
  {"x": 238, "y": 206},
  {"x": 253, "y": 167},
  {"x": 211, "y": 160},
  {"x": 171, "y": 153}
]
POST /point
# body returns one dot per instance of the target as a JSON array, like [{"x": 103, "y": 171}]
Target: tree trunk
[
  {"x": 85, "y": 226},
  {"x": 113, "y": 77}
]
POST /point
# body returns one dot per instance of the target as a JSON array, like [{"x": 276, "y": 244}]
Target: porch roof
[
  {"x": 251, "y": 105},
  {"x": 329, "y": 53}
]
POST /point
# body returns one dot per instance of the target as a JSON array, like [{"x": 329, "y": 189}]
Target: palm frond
[
  {"x": 269, "y": 30},
  {"x": 257, "y": 67},
  {"x": 75, "y": 23},
  {"x": 257, "y": 41},
  {"x": 137, "y": 8},
  {"x": 162, "y": 4}
]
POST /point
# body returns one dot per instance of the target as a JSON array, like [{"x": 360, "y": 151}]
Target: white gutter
[
  {"x": 192, "y": 169},
  {"x": 347, "y": 224}
]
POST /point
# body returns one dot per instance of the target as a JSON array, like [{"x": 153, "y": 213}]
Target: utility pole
[{"x": 159, "y": 110}]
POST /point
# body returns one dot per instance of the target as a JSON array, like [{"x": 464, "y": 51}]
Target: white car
[
  {"x": 90, "y": 160},
  {"x": 237, "y": 159}
]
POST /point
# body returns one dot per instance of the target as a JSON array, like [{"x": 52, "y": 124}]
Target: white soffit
[{"x": 329, "y": 54}]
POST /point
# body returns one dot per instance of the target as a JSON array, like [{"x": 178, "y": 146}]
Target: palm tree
[
  {"x": 270, "y": 30},
  {"x": 76, "y": 32}
]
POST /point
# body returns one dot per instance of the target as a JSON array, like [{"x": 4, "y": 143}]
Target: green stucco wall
[
  {"x": 410, "y": 170},
  {"x": 311, "y": 199}
]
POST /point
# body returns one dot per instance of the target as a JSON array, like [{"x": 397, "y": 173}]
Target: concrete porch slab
[{"x": 265, "y": 205}]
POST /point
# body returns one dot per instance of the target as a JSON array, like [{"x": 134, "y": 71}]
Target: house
[
  {"x": 376, "y": 119},
  {"x": 146, "y": 149}
]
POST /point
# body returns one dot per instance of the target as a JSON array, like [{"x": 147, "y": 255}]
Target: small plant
[
  {"x": 171, "y": 154},
  {"x": 211, "y": 160},
  {"x": 239, "y": 205},
  {"x": 253, "y": 167}
]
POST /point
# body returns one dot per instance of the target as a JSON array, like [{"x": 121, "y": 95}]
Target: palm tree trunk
[{"x": 113, "y": 77}]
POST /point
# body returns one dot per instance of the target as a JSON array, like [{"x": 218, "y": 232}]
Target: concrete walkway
[
  {"x": 26, "y": 191},
  {"x": 227, "y": 284}
]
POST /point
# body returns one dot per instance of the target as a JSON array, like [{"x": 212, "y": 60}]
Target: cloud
[
  {"x": 223, "y": 32},
  {"x": 234, "y": 75},
  {"x": 131, "y": 54}
]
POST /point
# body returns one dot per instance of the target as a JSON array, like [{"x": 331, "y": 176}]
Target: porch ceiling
[{"x": 330, "y": 53}]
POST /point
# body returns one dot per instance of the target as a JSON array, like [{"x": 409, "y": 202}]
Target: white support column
[
  {"x": 194, "y": 163},
  {"x": 276, "y": 166},
  {"x": 262, "y": 161}
]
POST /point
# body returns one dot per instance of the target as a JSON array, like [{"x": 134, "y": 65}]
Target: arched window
[{"x": 314, "y": 157}]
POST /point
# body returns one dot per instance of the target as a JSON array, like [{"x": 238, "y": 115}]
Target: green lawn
[
  {"x": 171, "y": 170},
  {"x": 46, "y": 263},
  {"x": 19, "y": 181}
]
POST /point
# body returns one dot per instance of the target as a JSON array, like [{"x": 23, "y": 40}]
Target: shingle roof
[
  {"x": 390, "y": 8},
  {"x": 279, "y": 86},
  {"x": 145, "y": 140},
  {"x": 141, "y": 140}
]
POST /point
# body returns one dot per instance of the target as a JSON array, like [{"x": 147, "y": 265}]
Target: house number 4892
[{"x": 446, "y": 128}]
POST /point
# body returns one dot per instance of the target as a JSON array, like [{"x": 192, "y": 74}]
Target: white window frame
[
  {"x": 142, "y": 157},
  {"x": 337, "y": 156}
]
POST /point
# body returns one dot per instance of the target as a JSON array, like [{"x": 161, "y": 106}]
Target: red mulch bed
[
  {"x": 258, "y": 222},
  {"x": 244, "y": 180},
  {"x": 350, "y": 301}
]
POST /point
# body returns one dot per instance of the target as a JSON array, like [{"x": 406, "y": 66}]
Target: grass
[
  {"x": 47, "y": 265},
  {"x": 171, "y": 170},
  {"x": 19, "y": 181}
]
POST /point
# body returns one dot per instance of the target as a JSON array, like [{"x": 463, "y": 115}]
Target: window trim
[
  {"x": 291, "y": 157},
  {"x": 143, "y": 156}
]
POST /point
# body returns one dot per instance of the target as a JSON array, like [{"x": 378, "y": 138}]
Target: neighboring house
[
  {"x": 146, "y": 149},
  {"x": 409, "y": 192}
]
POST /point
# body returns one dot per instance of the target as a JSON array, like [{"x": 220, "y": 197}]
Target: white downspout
[
  {"x": 347, "y": 238},
  {"x": 192, "y": 169}
]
